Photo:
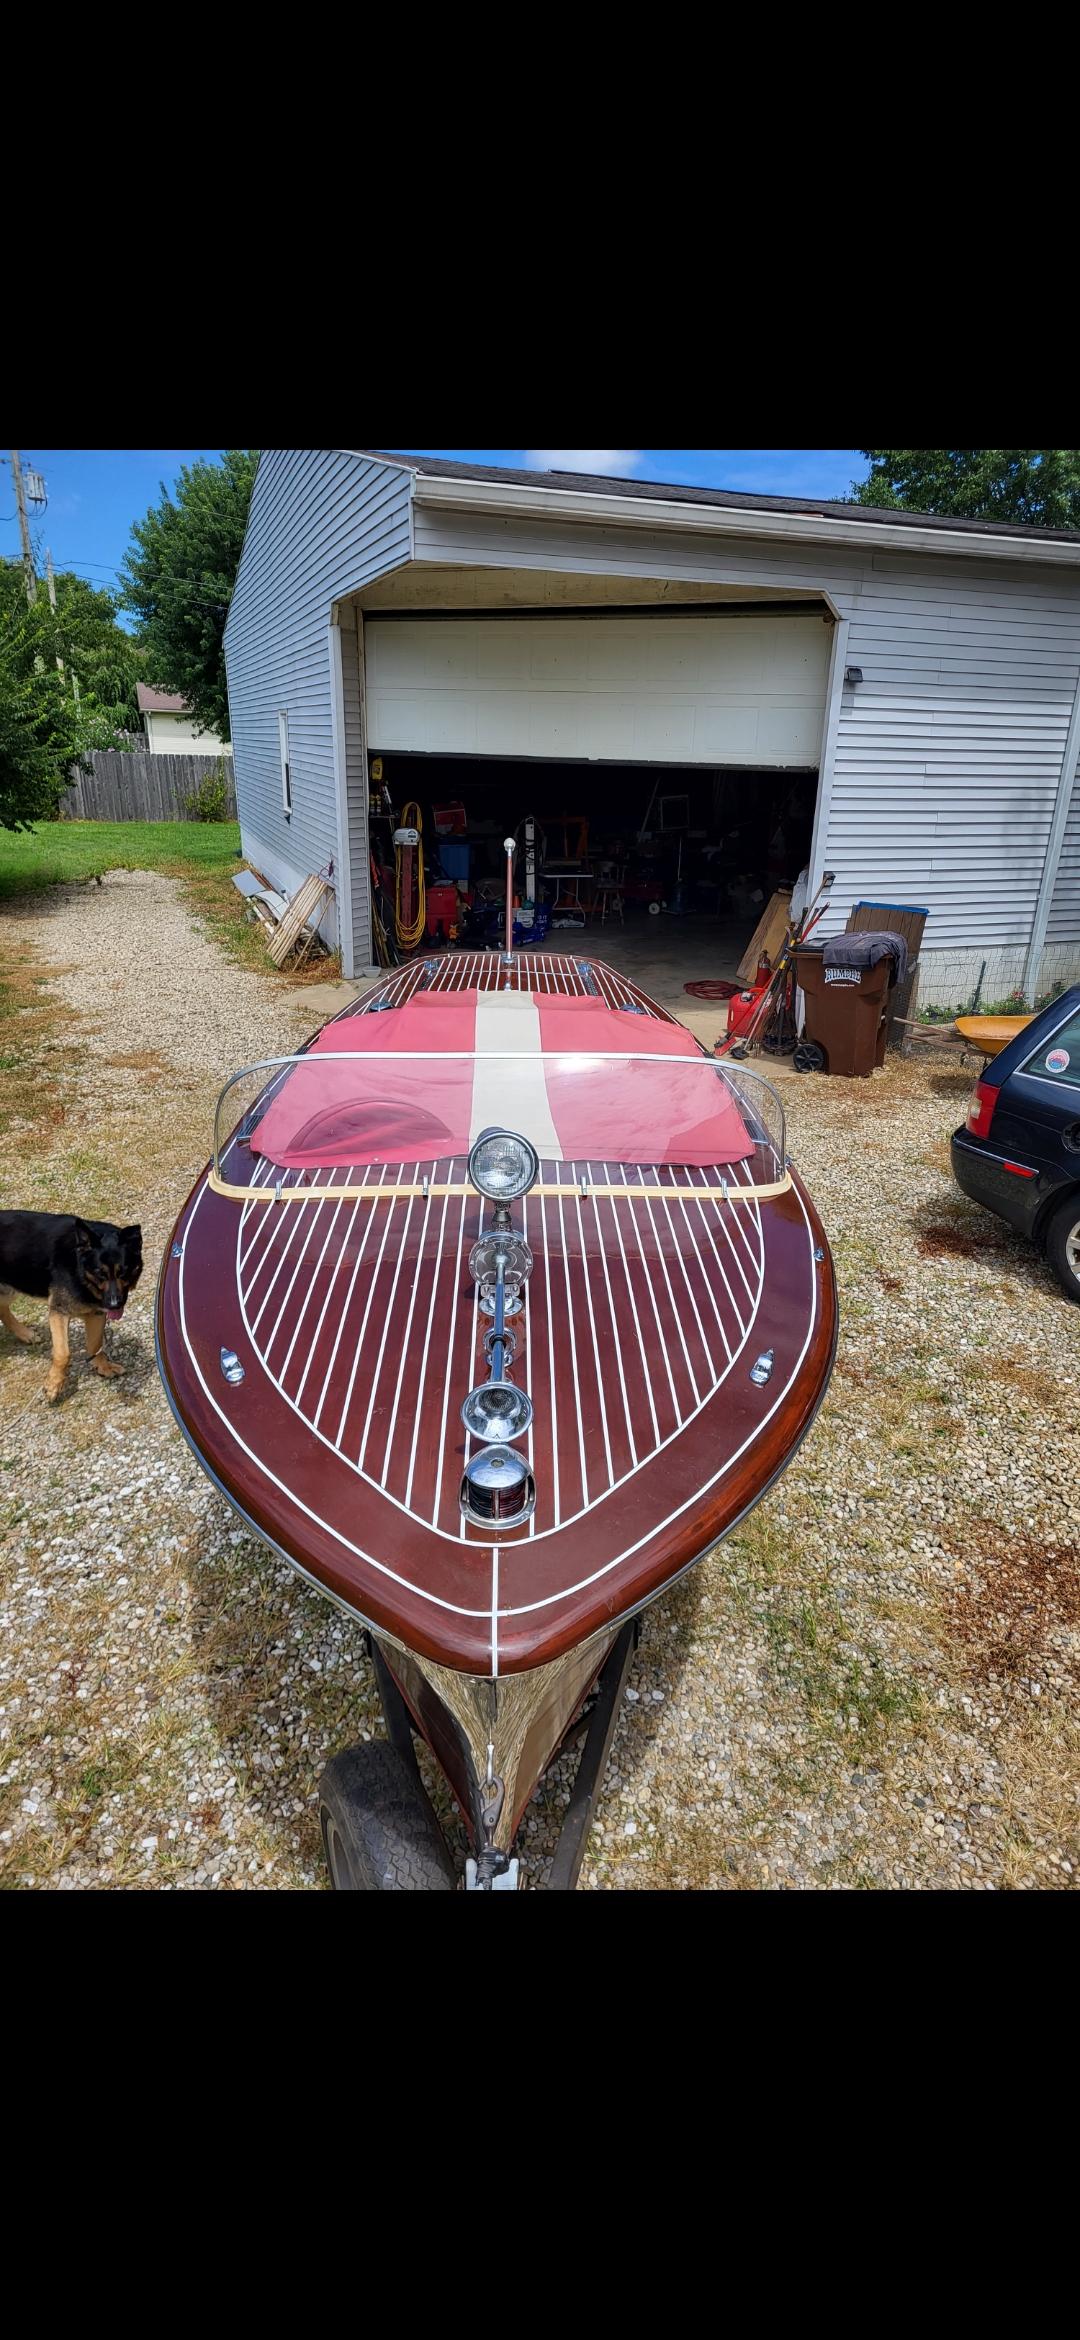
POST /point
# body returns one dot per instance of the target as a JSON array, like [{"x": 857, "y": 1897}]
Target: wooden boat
[
  {"x": 648, "y": 1292},
  {"x": 990, "y": 1034}
]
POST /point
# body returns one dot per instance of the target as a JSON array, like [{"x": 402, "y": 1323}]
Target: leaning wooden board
[
  {"x": 306, "y": 902},
  {"x": 768, "y": 935}
]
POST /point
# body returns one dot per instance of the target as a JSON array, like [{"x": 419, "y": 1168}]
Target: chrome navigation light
[
  {"x": 497, "y": 1411},
  {"x": 506, "y": 1249},
  {"x": 497, "y": 1488},
  {"x": 503, "y": 1258},
  {"x": 503, "y": 1166},
  {"x": 499, "y": 1261}
]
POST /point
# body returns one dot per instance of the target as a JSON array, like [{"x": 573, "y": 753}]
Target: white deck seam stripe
[
  {"x": 387, "y": 1320},
  {"x": 609, "y": 1205},
  {"x": 390, "y": 1209},
  {"x": 342, "y": 1253},
  {"x": 453, "y": 1608},
  {"x": 615, "y": 1340},
  {"x": 449, "y": 1360},
  {"x": 636, "y": 1222},
  {"x": 417, "y": 1411},
  {"x": 596, "y": 1344}
]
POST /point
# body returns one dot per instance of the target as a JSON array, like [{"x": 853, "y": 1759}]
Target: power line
[{"x": 192, "y": 586}]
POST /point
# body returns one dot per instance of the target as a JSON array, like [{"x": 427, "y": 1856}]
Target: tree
[
  {"x": 43, "y": 729},
  {"x": 1040, "y": 487},
  {"x": 178, "y": 580},
  {"x": 106, "y": 661}
]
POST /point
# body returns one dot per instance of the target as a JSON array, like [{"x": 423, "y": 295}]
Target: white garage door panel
[
  {"x": 704, "y": 690},
  {"x": 790, "y": 730},
  {"x": 724, "y": 734}
]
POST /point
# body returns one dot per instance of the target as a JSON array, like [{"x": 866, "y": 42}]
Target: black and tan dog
[{"x": 82, "y": 1267}]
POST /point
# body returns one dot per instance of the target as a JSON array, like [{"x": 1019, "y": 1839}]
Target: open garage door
[{"x": 710, "y": 688}]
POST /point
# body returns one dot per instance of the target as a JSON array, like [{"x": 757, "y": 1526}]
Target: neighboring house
[
  {"x": 170, "y": 726},
  {"x": 923, "y": 674}
]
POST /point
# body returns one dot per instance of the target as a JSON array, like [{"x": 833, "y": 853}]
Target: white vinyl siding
[
  {"x": 948, "y": 755},
  {"x": 322, "y": 524},
  {"x": 681, "y": 690},
  {"x": 1063, "y": 924},
  {"x": 949, "y": 752},
  {"x": 283, "y": 751}
]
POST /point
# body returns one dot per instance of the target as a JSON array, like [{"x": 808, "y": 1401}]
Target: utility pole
[
  {"x": 24, "y": 527},
  {"x": 52, "y": 599}
]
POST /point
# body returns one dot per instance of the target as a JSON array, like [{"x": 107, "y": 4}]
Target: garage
[
  {"x": 666, "y": 764},
  {"x": 695, "y": 693}
]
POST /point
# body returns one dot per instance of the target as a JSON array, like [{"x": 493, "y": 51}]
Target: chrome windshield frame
[{"x": 732, "y": 1077}]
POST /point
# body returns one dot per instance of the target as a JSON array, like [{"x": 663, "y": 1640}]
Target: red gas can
[
  {"x": 742, "y": 1008},
  {"x": 442, "y": 911}
]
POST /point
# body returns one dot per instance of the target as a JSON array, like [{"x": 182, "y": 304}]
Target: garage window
[{"x": 286, "y": 774}]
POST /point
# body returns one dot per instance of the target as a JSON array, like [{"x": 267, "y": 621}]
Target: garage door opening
[
  {"x": 671, "y": 754},
  {"x": 666, "y": 869}
]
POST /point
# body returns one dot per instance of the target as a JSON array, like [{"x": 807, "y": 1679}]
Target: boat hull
[
  {"x": 508, "y": 1728},
  {"x": 676, "y": 1341},
  {"x": 478, "y": 1603}
]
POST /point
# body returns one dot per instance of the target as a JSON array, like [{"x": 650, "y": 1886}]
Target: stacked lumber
[{"x": 297, "y": 929}]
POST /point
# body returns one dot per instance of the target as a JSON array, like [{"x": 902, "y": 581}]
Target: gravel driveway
[{"x": 873, "y": 1683}]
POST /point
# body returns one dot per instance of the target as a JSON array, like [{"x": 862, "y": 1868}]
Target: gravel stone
[{"x": 871, "y": 1685}]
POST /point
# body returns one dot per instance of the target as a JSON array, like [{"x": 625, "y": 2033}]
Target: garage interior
[
  {"x": 676, "y": 862},
  {"x": 677, "y": 853}
]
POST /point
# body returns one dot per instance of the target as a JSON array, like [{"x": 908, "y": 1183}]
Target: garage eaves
[{"x": 620, "y": 503}]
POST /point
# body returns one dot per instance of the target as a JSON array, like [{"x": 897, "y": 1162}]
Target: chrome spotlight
[
  {"x": 497, "y": 1489},
  {"x": 503, "y": 1166},
  {"x": 497, "y": 1411}
]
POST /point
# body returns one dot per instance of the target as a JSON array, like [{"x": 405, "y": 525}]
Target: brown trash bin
[{"x": 846, "y": 1010}]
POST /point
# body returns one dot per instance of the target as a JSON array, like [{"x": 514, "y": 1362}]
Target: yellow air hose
[{"x": 409, "y": 935}]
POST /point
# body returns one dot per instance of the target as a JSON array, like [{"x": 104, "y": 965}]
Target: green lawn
[
  {"x": 204, "y": 855},
  {"x": 54, "y": 850}
]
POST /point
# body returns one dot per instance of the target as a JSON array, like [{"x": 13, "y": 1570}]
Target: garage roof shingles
[{"x": 812, "y": 507}]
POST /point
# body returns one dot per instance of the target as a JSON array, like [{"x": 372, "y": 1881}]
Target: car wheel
[{"x": 1063, "y": 1245}]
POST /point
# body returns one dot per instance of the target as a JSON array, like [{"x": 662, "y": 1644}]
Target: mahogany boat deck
[{"x": 359, "y": 1335}]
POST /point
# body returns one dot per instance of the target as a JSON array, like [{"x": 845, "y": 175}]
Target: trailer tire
[{"x": 379, "y": 1832}]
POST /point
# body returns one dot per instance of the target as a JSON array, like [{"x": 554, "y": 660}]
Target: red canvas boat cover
[{"x": 536, "y": 1064}]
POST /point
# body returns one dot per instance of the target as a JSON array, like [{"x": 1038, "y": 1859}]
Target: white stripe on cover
[{"x": 511, "y": 1096}]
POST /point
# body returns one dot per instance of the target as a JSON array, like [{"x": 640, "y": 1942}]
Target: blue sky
[{"x": 95, "y": 495}]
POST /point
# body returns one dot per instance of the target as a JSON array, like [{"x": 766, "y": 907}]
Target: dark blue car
[{"x": 1019, "y": 1150}]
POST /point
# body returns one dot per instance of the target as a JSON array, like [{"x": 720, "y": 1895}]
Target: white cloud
[{"x": 613, "y": 460}]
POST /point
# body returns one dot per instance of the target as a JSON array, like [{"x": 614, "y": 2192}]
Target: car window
[{"x": 1057, "y": 1057}]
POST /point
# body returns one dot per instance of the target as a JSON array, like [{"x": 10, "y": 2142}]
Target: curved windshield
[{"x": 417, "y": 1085}]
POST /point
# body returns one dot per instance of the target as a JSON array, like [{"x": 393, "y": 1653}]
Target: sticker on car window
[{"x": 1058, "y": 1060}]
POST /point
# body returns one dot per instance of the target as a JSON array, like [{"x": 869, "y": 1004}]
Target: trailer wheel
[
  {"x": 379, "y": 1832},
  {"x": 809, "y": 1057}
]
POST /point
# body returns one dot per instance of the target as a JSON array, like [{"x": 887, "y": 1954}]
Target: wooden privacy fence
[{"x": 140, "y": 786}]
